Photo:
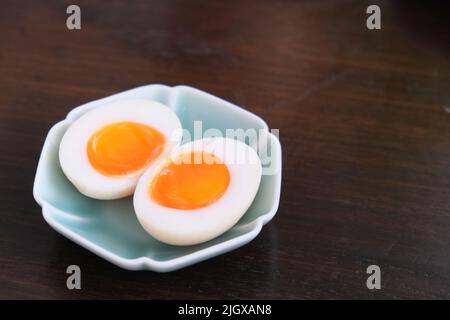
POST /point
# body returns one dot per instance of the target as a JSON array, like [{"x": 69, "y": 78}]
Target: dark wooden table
[{"x": 364, "y": 124}]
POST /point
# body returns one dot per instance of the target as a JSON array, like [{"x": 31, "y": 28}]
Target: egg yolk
[
  {"x": 190, "y": 184},
  {"x": 122, "y": 148}
]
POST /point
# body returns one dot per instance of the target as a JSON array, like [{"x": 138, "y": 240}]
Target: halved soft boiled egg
[
  {"x": 200, "y": 191},
  {"x": 105, "y": 151}
]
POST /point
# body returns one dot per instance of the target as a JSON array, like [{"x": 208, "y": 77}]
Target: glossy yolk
[
  {"x": 122, "y": 148},
  {"x": 190, "y": 184}
]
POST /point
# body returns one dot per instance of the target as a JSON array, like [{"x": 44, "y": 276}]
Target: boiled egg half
[
  {"x": 105, "y": 151},
  {"x": 200, "y": 191}
]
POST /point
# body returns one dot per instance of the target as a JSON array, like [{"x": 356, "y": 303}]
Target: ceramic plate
[{"x": 110, "y": 228}]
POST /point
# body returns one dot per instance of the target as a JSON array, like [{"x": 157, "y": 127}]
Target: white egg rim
[
  {"x": 72, "y": 151},
  {"x": 188, "y": 227}
]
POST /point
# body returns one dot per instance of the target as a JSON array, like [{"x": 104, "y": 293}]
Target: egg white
[
  {"x": 188, "y": 227},
  {"x": 73, "y": 148}
]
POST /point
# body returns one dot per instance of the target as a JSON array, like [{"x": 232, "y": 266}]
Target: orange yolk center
[
  {"x": 198, "y": 180},
  {"x": 123, "y": 148}
]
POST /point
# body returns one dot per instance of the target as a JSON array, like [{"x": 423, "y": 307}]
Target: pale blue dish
[{"x": 110, "y": 228}]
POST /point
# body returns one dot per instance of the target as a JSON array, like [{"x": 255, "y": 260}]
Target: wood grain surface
[{"x": 364, "y": 125}]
